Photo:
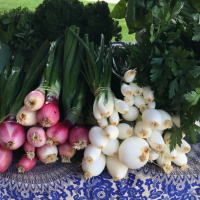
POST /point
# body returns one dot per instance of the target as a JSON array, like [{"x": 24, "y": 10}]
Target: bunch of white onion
[{"x": 139, "y": 144}]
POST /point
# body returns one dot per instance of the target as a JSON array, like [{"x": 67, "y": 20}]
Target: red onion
[
  {"x": 6, "y": 157},
  {"x": 29, "y": 149},
  {"x": 78, "y": 137},
  {"x": 25, "y": 164},
  {"x": 36, "y": 136},
  {"x": 34, "y": 100},
  {"x": 47, "y": 154},
  {"x": 57, "y": 134},
  {"x": 49, "y": 114},
  {"x": 66, "y": 151},
  {"x": 26, "y": 117},
  {"x": 12, "y": 135}
]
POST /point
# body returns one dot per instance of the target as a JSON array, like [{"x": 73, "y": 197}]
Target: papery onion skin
[
  {"x": 57, "y": 134},
  {"x": 49, "y": 114},
  {"x": 36, "y": 136},
  {"x": 6, "y": 157},
  {"x": 12, "y": 135},
  {"x": 79, "y": 137},
  {"x": 25, "y": 164},
  {"x": 29, "y": 149}
]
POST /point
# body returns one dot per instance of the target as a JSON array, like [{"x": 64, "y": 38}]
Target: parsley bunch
[{"x": 167, "y": 58}]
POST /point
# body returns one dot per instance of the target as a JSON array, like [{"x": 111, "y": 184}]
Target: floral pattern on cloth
[{"x": 58, "y": 181}]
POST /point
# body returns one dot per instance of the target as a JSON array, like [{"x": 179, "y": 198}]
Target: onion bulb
[
  {"x": 95, "y": 168},
  {"x": 166, "y": 120},
  {"x": 126, "y": 90},
  {"x": 6, "y": 157},
  {"x": 111, "y": 148},
  {"x": 184, "y": 148},
  {"x": 125, "y": 131},
  {"x": 142, "y": 131},
  {"x": 121, "y": 106},
  {"x": 36, "y": 136},
  {"x": 136, "y": 89},
  {"x": 103, "y": 123},
  {"x": 151, "y": 104},
  {"x": 134, "y": 152},
  {"x": 140, "y": 103},
  {"x": 96, "y": 111},
  {"x": 181, "y": 161},
  {"x": 132, "y": 114},
  {"x": 115, "y": 168},
  {"x": 111, "y": 132},
  {"x": 171, "y": 155},
  {"x": 152, "y": 118},
  {"x": 25, "y": 164},
  {"x": 165, "y": 164},
  {"x": 29, "y": 149},
  {"x": 114, "y": 118},
  {"x": 47, "y": 154},
  {"x": 26, "y": 117},
  {"x": 156, "y": 141},
  {"x": 129, "y": 100},
  {"x": 130, "y": 75},
  {"x": 153, "y": 155},
  {"x": 176, "y": 120},
  {"x": 91, "y": 154},
  {"x": 148, "y": 94},
  {"x": 97, "y": 137},
  {"x": 66, "y": 152}
]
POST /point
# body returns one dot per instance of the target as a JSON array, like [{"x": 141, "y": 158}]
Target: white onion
[
  {"x": 136, "y": 89},
  {"x": 171, "y": 155},
  {"x": 103, "y": 123},
  {"x": 129, "y": 75},
  {"x": 96, "y": 112},
  {"x": 148, "y": 94},
  {"x": 152, "y": 118},
  {"x": 26, "y": 117},
  {"x": 126, "y": 90},
  {"x": 110, "y": 104},
  {"x": 152, "y": 104},
  {"x": 134, "y": 152},
  {"x": 112, "y": 148},
  {"x": 103, "y": 110},
  {"x": 95, "y": 168},
  {"x": 125, "y": 130},
  {"x": 115, "y": 168},
  {"x": 132, "y": 115},
  {"x": 91, "y": 154},
  {"x": 153, "y": 155},
  {"x": 121, "y": 106},
  {"x": 97, "y": 137},
  {"x": 142, "y": 131},
  {"x": 156, "y": 141},
  {"x": 130, "y": 100},
  {"x": 140, "y": 103},
  {"x": 185, "y": 147},
  {"x": 114, "y": 118},
  {"x": 166, "y": 120},
  {"x": 161, "y": 131},
  {"x": 181, "y": 160},
  {"x": 167, "y": 137},
  {"x": 165, "y": 164},
  {"x": 111, "y": 132}
]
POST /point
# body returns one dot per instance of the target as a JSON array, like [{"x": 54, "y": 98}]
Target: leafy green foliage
[
  {"x": 168, "y": 60},
  {"x": 119, "y": 11},
  {"x": 17, "y": 30},
  {"x": 193, "y": 97},
  {"x": 53, "y": 16}
]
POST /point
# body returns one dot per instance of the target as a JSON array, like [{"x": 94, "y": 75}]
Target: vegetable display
[{"x": 122, "y": 108}]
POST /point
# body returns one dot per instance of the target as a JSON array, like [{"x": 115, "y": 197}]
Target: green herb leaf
[
  {"x": 178, "y": 54},
  {"x": 196, "y": 29},
  {"x": 6, "y": 21},
  {"x": 173, "y": 88},
  {"x": 175, "y": 138},
  {"x": 149, "y": 17},
  {"x": 119, "y": 11},
  {"x": 174, "y": 67},
  {"x": 193, "y": 97},
  {"x": 173, "y": 36},
  {"x": 157, "y": 51},
  {"x": 156, "y": 61},
  {"x": 195, "y": 72},
  {"x": 156, "y": 73},
  {"x": 176, "y": 10}
]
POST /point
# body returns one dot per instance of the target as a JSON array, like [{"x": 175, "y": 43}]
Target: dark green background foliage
[
  {"x": 53, "y": 16},
  {"x": 17, "y": 30}
]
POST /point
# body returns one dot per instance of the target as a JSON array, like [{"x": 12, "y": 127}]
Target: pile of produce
[{"x": 45, "y": 101}]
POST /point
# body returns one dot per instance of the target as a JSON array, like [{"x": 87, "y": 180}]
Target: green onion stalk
[{"x": 97, "y": 73}]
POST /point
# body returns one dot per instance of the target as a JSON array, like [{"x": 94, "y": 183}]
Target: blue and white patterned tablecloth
[{"x": 59, "y": 181}]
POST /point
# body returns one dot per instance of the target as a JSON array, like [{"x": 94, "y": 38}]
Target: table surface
[{"x": 58, "y": 181}]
